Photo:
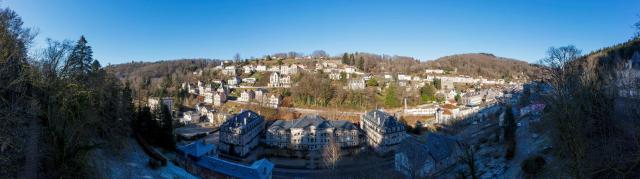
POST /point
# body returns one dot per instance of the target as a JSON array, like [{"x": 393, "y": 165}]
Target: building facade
[
  {"x": 279, "y": 81},
  {"x": 240, "y": 134},
  {"x": 383, "y": 131},
  {"x": 311, "y": 133}
]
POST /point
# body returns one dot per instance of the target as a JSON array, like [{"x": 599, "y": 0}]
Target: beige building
[
  {"x": 279, "y": 81},
  {"x": 311, "y": 133},
  {"x": 241, "y": 133},
  {"x": 383, "y": 131}
]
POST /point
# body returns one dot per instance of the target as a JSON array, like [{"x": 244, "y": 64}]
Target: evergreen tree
[
  {"x": 390, "y": 97},
  {"x": 372, "y": 82},
  {"x": 168, "y": 139},
  {"x": 80, "y": 59},
  {"x": 95, "y": 66},
  {"x": 345, "y": 58},
  {"x": 437, "y": 83},
  {"x": 361, "y": 64},
  {"x": 457, "y": 97},
  {"x": 428, "y": 93}
]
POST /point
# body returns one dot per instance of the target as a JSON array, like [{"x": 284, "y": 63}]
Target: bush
[{"x": 533, "y": 165}]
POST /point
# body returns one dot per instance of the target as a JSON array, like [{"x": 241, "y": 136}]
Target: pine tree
[
  {"x": 168, "y": 140},
  {"x": 345, "y": 59},
  {"x": 80, "y": 59},
  {"x": 361, "y": 64},
  {"x": 390, "y": 97},
  {"x": 95, "y": 66}
]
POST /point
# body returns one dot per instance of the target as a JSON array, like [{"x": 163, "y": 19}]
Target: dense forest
[{"x": 57, "y": 106}]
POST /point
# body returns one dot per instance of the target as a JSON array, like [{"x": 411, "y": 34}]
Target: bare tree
[
  {"x": 331, "y": 153},
  {"x": 319, "y": 54},
  {"x": 567, "y": 124},
  {"x": 469, "y": 158},
  {"x": 237, "y": 58}
]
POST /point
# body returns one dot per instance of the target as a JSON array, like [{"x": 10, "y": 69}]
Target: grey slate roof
[
  {"x": 311, "y": 120},
  {"x": 386, "y": 120},
  {"x": 238, "y": 121},
  {"x": 196, "y": 149},
  {"x": 259, "y": 169}
]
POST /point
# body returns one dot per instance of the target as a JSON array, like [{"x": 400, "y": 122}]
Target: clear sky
[{"x": 146, "y": 30}]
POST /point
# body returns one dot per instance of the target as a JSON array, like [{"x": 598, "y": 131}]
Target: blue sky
[{"x": 145, "y": 30}]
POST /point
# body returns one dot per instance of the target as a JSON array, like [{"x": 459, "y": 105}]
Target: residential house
[
  {"x": 233, "y": 81},
  {"x": 248, "y": 69},
  {"x": 261, "y": 68},
  {"x": 472, "y": 98},
  {"x": 246, "y": 96},
  {"x": 279, "y": 81},
  {"x": 383, "y": 131},
  {"x": 154, "y": 103},
  {"x": 229, "y": 71},
  {"x": 219, "y": 98},
  {"x": 357, "y": 84},
  {"x": 241, "y": 133},
  {"x": 434, "y": 71},
  {"x": 190, "y": 117},
  {"x": 274, "y": 101}
]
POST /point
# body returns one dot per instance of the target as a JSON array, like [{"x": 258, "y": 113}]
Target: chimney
[{"x": 245, "y": 121}]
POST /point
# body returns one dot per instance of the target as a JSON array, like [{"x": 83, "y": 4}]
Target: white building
[
  {"x": 229, "y": 71},
  {"x": 350, "y": 70},
  {"x": 403, "y": 77},
  {"x": 233, "y": 81},
  {"x": 279, "y": 81},
  {"x": 249, "y": 80},
  {"x": 246, "y": 96},
  {"x": 154, "y": 103},
  {"x": 357, "y": 84},
  {"x": 261, "y": 68},
  {"x": 434, "y": 71},
  {"x": 219, "y": 99},
  {"x": 311, "y": 133},
  {"x": 248, "y": 69},
  {"x": 241, "y": 133},
  {"x": 208, "y": 97},
  {"x": 274, "y": 101},
  {"x": 334, "y": 76},
  {"x": 383, "y": 131},
  {"x": 190, "y": 117}
]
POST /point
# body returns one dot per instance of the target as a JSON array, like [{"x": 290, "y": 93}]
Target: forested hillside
[{"x": 485, "y": 65}]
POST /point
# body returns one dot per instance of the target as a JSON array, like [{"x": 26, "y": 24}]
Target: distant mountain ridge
[{"x": 484, "y": 64}]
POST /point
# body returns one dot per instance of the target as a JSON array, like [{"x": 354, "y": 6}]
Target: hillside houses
[
  {"x": 274, "y": 101},
  {"x": 246, "y": 96},
  {"x": 356, "y": 84},
  {"x": 279, "y": 80}
]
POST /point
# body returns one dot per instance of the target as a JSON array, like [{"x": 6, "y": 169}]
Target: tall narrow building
[{"x": 383, "y": 131}]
